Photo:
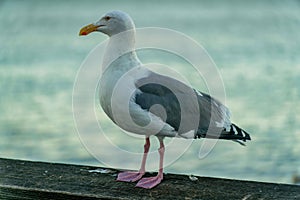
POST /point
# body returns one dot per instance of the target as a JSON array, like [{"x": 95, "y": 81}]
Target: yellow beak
[{"x": 88, "y": 29}]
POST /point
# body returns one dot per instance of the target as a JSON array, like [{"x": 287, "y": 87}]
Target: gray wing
[{"x": 182, "y": 105}]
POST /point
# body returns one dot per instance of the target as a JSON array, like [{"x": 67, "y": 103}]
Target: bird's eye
[{"x": 107, "y": 18}]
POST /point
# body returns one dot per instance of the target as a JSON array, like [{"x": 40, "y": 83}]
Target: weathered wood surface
[{"x": 37, "y": 180}]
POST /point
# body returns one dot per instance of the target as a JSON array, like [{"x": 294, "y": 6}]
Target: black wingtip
[
  {"x": 236, "y": 134},
  {"x": 242, "y": 134}
]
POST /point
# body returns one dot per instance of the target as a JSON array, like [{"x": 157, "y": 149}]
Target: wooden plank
[{"x": 38, "y": 180}]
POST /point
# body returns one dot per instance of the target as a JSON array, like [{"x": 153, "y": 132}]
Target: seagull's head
[{"x": 111, "y": 23}]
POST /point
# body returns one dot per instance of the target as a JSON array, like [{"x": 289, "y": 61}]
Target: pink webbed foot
[
  {"x": 150, "y": 182},
  {"x": 130, "y": 176}
]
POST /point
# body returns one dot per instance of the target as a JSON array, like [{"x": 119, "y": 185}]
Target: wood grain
[{"x": 21, "y": 179}]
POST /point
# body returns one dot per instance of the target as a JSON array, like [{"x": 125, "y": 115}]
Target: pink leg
[
  {"x": 131, "y": 176},
  {"x": 154, "y": 181}
]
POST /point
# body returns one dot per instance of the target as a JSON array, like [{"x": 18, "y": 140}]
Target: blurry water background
[{"x": 255, "y": 44}]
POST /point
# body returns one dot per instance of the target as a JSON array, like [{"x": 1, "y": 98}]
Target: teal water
[{"x": 255, "y": 45}]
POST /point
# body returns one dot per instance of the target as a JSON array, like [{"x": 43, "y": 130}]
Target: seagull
[{"x": 144, "y": 102}]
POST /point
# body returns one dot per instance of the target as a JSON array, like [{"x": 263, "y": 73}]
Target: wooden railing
[{"x": 20, "y": 179}]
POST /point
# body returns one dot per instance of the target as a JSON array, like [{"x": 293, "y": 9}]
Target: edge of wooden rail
[{"x": 20, "y": 179}]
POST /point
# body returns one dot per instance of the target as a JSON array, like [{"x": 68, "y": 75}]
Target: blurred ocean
[{"x": 255, "y": 45}]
